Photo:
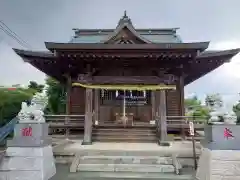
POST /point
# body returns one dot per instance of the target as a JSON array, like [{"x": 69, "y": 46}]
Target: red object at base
[
  {"x": 227, "y": 133},
  {"x": 27, "y": 131},
  {"x": 11, "y": 89}
]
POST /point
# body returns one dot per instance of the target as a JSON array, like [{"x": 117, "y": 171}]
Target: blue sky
[{"x": 38, "y": 21}]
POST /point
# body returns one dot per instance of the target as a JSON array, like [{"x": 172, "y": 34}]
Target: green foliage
[
  {"x": 236, "y": 110},
  {"x": 35, "y": 86},
  {"x": 11, "y": 101},
  {"x": 56, "y": 93},
  {"x": 195, "y": 109},
  {"x": 192, "y": 102}
]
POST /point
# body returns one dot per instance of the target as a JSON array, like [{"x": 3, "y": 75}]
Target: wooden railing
[
  {"x": 66, "y": 119},
  {"x": 183, "y": 121},
  {"x": 62, "y": 124}
]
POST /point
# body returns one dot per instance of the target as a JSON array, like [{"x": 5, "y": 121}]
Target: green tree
[
  {"x": 236, "y": 110},
  {"x": 190, "y": 103},
  {"x": 10, "y": 102},
  {"x": 35, "y": 86},
  {"x": 195, "y": 109},
  {"x": 56, "y": 93}
]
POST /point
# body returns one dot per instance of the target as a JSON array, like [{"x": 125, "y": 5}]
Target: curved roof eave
[
  {"x": 220, "y": 58},
  {"x": 83, "y": 46},
  {"x": 194, "y": 74},
  {"x": 205, "y": 54},
  {"x": 215, "y": 53},
  {"x": 41, "y": 54}
]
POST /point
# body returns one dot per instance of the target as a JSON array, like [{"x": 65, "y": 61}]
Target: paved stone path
[
  {"x": 179, "y": 148},
  {"x": 64, "y": 174}
]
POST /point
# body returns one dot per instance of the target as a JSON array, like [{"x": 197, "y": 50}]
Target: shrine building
[{"x": 126, "y": 75}]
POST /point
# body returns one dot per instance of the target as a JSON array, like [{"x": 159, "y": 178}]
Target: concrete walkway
[
  {"x": 1, "y": 155},
  {"x": 179, "y": 148}
]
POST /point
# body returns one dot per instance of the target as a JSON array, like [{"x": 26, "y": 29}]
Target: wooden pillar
[
  {"x": 153, "y": 102},
  {"x": 181, "y": 102},
  {"x": 163, "y": 117},
  {"x": 181, "y": 89},
  {"x": 68, "y": 92},
  {"x": 68, "y": 102},
  {"x": 96, "y": 105},
  {"x": 87, "y": 139}
]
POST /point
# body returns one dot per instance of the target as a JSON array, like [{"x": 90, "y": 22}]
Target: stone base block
[
  {"x": 28, "y": 163},
  {"x": 126, "y": 168},
  {"x": 86, "y": 143},
  {"x": 105, "y": 163},
  {"x": 36, "y": 137},
  {"x": 28, "y": 142},
  {"x": 38, "y": 129},
  {"x": 163, "y": 143},
  {"x": 219, "y": 165}
]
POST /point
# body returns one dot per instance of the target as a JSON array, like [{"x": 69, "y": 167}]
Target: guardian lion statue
[{"x": 33, "y": 112}]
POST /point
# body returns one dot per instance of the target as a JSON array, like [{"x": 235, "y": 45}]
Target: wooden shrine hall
[{"x": 126, "y": 76}]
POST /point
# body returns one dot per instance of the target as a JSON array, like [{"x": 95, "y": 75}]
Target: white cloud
[
  {"x": 14, "y": 71},
  {"x": 231, "y": 69},
  {"x": 224, "y": 80}
]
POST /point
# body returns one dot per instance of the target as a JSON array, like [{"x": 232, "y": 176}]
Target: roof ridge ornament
[{"x": 125, "y": 19}]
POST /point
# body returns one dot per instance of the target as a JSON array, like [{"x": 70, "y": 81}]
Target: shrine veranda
[{"x": 126, "y": 72}]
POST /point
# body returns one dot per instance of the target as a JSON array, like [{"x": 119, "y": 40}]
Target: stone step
[
  {"x": 125, "y": 138},
  {"x": 149, "y": 153},
  {"x": 109, "y": 133},
  {"x": 128, "y": 126},
  {"x": 125, "y": 160},
  {"x": 132, "y": 176},
  {"x": 148, "y": 168},
  {"x": 124, "y": 130}
]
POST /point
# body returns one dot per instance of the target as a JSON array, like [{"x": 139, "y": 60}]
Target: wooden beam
[
  {"x": 88, "y": 123},
  {"x": 139, "y": 47},
  {"x": 68, "y": 98},
  {"x": 68, "y": 101},
  {"x": 166, "y": 79},
  {"x": 181, "y": 101},
  {"x": 181, "y": 89}
]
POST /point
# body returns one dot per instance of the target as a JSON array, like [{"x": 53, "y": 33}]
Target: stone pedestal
[
  {"x": 29, "y": 155},
  {"x": 220, "y": 158},
  {"x": 222, "y": 137}
]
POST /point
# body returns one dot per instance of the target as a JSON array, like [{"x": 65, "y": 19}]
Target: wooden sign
[{"x": 191, "y": 128}]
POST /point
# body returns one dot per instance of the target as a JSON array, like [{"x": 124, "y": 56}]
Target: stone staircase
[
  {"x": 121, "y": 134},
  {"x": 128, "y": 165}
]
